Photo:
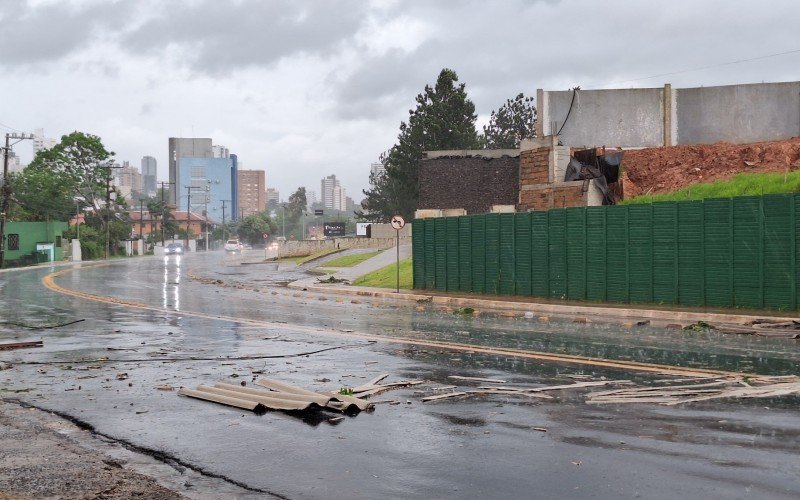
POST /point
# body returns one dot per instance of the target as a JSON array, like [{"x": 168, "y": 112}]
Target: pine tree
[{"x": 443, "y": 119}]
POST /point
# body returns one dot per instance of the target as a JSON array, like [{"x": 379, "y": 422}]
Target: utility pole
[
  {"x": 7, "y": 192},
  {"x": 189, "y": 211},
  {"x": 223, "y": 219},
  {"x": 141, "y": 218},
  {"x": 163, "y": 209}
]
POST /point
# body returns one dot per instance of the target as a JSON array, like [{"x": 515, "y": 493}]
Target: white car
[{"x": 233, "y": 246}]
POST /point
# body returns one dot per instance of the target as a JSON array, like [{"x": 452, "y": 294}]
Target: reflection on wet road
[{"x": 483, "y": 447}]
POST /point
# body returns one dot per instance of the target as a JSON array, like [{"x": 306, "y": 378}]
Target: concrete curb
[{"x": 606, "y": 312}]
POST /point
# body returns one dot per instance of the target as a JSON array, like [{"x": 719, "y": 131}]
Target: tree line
[{"x": 444, "y": 118}]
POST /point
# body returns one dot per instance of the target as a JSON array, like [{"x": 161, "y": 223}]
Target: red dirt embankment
[{"x": 663, "y": 170}]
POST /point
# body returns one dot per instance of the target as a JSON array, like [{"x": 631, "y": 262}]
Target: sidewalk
[{"x": 530, "y": 305}]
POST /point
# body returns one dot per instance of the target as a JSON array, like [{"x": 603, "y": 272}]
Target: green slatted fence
[{"x": 739, "y": 252}]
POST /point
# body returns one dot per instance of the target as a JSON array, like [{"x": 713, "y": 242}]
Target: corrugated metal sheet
[
  {"x": 748, "y": 252},
  {"x": 557, "y": 252},
  {"x": 478, "y": 223},
  {"x": 522, "y": 253},
  {"x": 640, "y": 253},
  {"x": 492, "y": 222},
  {"x": 440, "y": 234},
  {"x": 452, "y": 254},
  {"x": 465, "y": 254},
  {"x": 665, "y": 253},
  {"x": 691, "y": 270},
  {"x": 617, "y": 254},
  {"x": 596, "y": 253},
  {"x": 418, "y": 252},
  {"x": 506, "y": 248},
  {"x": 576, "y": 253},
  {"x": 540, "y": 250},
  {"x": 430, "y": 254}
]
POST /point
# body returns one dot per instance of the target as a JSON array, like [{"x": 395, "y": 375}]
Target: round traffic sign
[
  {"x": 398, "y": 222},
  {"x": 265, "y": 236}
]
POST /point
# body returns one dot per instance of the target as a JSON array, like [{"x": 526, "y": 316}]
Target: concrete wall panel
[
  {"x": 625, "y": 117},
  {"x": 738, "y": 113}
]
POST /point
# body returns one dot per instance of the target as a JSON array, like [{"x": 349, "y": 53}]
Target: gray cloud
[
  {"x": 51, "y": 31},
  {"x": 216, "y": 37}
]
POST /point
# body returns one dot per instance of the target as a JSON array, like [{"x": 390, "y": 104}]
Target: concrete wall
[
  {"x": 387, "y": 231},
  {"x": 653, "y": 117},
  {"x": 738, "y": 113},
  {"x": 308, "y": 247},
  {"x": 626, "y": 117}
]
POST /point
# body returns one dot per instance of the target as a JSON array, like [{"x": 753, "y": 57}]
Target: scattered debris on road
[
  {"x": 478, "y": 379},
  {"x": 756, "y": 387},
  {"x": 21, "y": 345}
]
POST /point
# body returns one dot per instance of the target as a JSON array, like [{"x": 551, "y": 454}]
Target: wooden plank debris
[
  {"x": 674, "y": 394},
  {"x": 444, "y": 396},
  {"x": 478, "y": 379},
  {"x": 21, "y": 345}
]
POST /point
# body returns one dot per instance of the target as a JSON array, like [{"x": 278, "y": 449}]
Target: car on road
[
  {"x": 233, "y": 246},
  {"x": 174, "y": 249}
]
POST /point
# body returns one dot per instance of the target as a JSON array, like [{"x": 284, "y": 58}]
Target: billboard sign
[{"x": 333, "y": 228}]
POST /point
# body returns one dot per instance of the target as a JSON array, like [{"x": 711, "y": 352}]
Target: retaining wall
[{"x": 308, "y": 247}]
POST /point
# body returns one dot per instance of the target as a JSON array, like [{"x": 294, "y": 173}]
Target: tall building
[
  {"x": 41, "y": 142},
  {"x": 192, "y": 147},
  {"x": 273, "y": 199},
  {"x": 332, "y": 193},
  {"x": 375, "y": 170},
  {"x": 311, "y": 198},
  {"x": 129, "y": 180},
  {"x": 252, "y": 192},
  {"x": 220, "y": 151},
  {"x": 149, "y": 175},
  {"x": 209, "y": 185}
]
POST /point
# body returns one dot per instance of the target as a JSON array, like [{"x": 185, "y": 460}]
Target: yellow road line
[{"x": 49, "y": 282}]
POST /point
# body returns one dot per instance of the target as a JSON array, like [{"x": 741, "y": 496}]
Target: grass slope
[
  {"x": 740, "y": 185},
  {"x": 350, "y": 260},
  {"x": 387, "y": 277}
]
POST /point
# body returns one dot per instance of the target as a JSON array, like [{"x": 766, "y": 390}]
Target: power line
[
  {"x": 698, "y": 68},
  {"x": 10, "y": 128}
]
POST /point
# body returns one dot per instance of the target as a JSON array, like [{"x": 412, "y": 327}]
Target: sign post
[
  {"x": 397, "y": 223},
  {"x": 265, "y": 236}
]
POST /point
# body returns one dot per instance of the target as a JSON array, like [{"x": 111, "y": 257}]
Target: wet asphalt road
[{"x": 475, "y": 448}]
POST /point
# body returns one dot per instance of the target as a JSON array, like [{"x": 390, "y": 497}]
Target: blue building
[{"x": 213, "y": 182}]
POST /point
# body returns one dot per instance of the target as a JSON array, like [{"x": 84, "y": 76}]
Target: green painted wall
[
  {"x": 31, "y": 233},
  {"x": 732, "y": 252}
]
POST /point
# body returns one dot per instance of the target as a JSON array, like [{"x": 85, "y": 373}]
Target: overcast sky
[{"x": 304, "y": 89}]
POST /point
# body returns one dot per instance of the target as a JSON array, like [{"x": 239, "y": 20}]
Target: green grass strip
[
  {"x": 387, "y": 277},
  {"x": 740, "y": 185},
  {"x": 351, "y": 260}
]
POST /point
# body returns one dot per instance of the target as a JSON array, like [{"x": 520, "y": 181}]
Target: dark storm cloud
[
  {"x": 502, "y": 48},
  {"x": 216, "y": 37},
  {"x": 51, "y": 31}
]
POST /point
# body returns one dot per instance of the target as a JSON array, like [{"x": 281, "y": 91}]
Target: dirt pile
[{"x": 663, "y": 170}]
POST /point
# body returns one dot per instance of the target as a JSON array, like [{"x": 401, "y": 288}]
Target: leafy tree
[
  {"x": 297, "y": 204},
  {"x": 252, "y": 228},
  {"x": 41, "y": 195},
  {"x": 443, "y": 119},
  {"x": 514, "y": 121},
  {"x": 82, "y": 162}
]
